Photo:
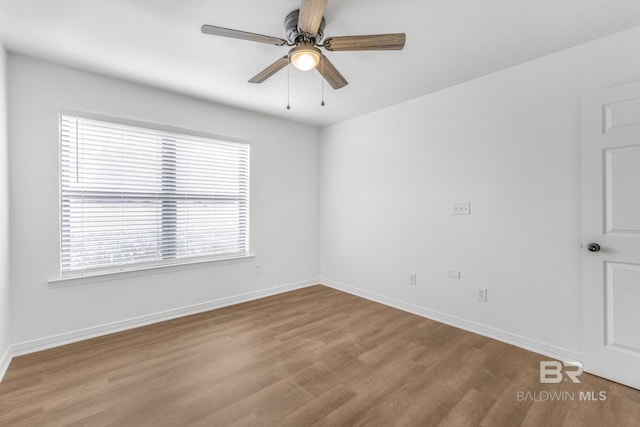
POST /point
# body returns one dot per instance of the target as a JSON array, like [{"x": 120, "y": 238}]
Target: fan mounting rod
[{"x": 294, "y": 35}]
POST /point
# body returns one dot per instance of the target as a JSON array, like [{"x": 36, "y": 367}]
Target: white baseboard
[
  {"x": 5, "y": 360},
  {"x": 96, "y": 331},
  {"x": 497, "y": 334}
]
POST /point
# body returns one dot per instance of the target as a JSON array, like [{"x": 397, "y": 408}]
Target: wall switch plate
[
  {"x": 455, "y": 274},
  {"x": 482, "y": 294},
  {"x": 412, "y": 278},
  {"x": 258, "y": 269},
  {"x": 461, "y": 208}
]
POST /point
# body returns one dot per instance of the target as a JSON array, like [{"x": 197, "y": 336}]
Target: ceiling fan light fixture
[
  {"x": 305, "y": 56},
  {"x": 304, "y": 29}
]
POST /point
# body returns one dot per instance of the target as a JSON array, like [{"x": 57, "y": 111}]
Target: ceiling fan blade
[
  {"x": 270, "y": 70},
  {"x": 311, "y": 12},
  {"x": 373, "y": 42},
  {"x": 242, "y": 35},
  {"x": 331, "y": 73}
]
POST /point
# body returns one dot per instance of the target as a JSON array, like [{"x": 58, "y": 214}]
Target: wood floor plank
[
  {"x": 469, "y": 411},
  {"x": 318, "y": 408},
  {"x": 370, "y": 397},
  {"x": 314, "y": 356}
]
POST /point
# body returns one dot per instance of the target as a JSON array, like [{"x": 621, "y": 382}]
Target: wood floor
[{"x": 314, "y": 356}]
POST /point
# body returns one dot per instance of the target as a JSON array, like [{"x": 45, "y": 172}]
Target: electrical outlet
[
  {"x": 482, "y": 294},
  {"x": 412, "y": 278},
  {"x": 258, "y": 269},
  {"x": 326, "y": 264},
  {"x": 454, "y": 274},
  {"x": 461, "y": 208}
]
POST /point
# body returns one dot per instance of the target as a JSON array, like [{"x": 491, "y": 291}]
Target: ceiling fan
[{"x": 305, "y": 32}]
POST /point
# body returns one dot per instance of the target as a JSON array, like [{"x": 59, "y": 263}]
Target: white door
[{"x": 611, "y": 219}]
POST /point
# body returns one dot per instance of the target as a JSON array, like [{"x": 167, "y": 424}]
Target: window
[{"x": 133, "y": 197}]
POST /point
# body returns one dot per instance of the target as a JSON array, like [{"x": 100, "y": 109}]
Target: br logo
[{"x": 554, "y": 372}]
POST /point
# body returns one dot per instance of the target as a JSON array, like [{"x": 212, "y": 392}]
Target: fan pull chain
[
  {"x": 322, "y": 78},
  {"x": 288, "y": 87}
]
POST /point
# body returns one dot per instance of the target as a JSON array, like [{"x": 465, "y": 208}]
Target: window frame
[{"x": 133, "y": 269}]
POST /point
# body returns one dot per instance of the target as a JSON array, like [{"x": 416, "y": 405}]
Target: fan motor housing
[{"x": 293, "y": 34}]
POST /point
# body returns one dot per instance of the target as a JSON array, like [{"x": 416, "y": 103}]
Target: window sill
[{"x": 106, "y": 276}]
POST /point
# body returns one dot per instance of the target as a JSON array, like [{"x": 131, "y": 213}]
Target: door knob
[{"x": 593, "y": 247}]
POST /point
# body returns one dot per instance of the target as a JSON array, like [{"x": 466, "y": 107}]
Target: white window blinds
[{"x": 132, "y": 197}]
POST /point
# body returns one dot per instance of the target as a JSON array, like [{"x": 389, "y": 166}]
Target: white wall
[
  {"x": 5, "y": 309},
  {"x": 510, "y": 144},
  {"x": 284, "y": 201}
]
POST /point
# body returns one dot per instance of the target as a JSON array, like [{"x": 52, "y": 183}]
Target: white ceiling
[{"x": 158, "y": 42}]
